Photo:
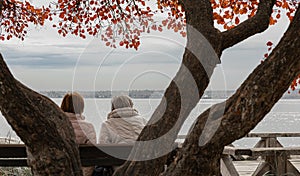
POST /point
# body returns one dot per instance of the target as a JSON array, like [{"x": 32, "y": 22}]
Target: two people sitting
[{"x": 123, "y": 124}]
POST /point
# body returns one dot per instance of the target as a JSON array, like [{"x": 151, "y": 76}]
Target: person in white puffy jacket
[
  {"x": 123, "y": 124},
  {"x": 73, "y": 105}
]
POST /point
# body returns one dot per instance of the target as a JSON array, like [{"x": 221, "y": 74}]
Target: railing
[{"x": 8, "y": 140}]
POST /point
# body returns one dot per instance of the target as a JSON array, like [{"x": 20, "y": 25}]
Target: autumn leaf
[
  {"x": 269, "y": 43},
  {"x": 237, "y": 20}
]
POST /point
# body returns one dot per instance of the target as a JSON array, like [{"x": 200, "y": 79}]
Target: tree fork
[
  {"x": 176, "y": 105},
  {"x": 235, "y": 118}
]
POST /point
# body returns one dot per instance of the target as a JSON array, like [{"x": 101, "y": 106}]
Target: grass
[{"x": 15, "y": 171}]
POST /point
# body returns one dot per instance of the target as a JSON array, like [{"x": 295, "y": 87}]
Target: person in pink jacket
[{"x": 73, "y": 105}]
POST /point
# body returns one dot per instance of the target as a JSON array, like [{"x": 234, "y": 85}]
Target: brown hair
[{"x": 72, "y": 102}]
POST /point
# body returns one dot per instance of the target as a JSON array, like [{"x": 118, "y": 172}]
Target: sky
[{"x": 47, "y": 61}]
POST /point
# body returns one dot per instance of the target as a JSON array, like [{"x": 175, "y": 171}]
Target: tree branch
[
  {"x": 257, "y": 24},
  {"x": 199, "y": 10},
  {"x": 182, "y": 95},
  {"x": 199, "y": 15},
  {"x": 267, "y": 84},
  {"x": 1, "y": 5},
  {"x": 225, "y": 122},
  {"x": 41, "y": 125}
]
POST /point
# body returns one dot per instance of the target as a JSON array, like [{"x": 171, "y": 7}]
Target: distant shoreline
[{"x": 152, "y": 94}]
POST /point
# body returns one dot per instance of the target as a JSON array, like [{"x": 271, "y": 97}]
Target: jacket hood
[{"x": 123, "y": 113}]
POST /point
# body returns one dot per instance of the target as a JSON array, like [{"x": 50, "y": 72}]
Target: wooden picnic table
[
  {"x": 270, "y": 139},
  {"x": 275, "y": 156}
]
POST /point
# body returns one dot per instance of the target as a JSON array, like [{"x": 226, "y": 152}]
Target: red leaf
[
  {"x": 61, "y": 15},
  {"x": 278, "y": 16},
  {"x": 127, "y": 9},
  {"x": 269, "y": 43},
  {"x": 160, "y": 29},
  {"x": 154, "y": 27},
  {"x": 237, "y": 20}
]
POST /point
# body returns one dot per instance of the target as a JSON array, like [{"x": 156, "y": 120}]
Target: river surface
[{"x": 284, "y": 117}]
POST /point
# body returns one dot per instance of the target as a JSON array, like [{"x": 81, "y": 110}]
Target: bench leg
[
  {"x": 262, "y": 169},
  {"x": 278, "y": 165},
  {"x": 260, "y": 144},
  {"x": 227, "y": 167},
  {"x": 291, "y": 169}
]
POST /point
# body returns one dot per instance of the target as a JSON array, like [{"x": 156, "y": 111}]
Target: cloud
[
  {"x": 46, "y": 60},
  {"x": 30, "y": 58},
  {"x": 45, "y": 49}
]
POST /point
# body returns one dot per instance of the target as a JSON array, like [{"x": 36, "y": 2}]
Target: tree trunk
[
  {"x": 44, "y": 128},
  {"x": 182, "y": 95},
  {"x": 204, "y": 47},
  {"x": 225, "y": 122},
  {"x": 41, "y": 125}
]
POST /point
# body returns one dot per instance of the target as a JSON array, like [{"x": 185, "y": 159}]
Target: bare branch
[{"x": 257, "y": 24}]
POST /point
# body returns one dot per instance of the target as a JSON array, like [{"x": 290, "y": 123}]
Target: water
[{"x": 284, "y": 117}]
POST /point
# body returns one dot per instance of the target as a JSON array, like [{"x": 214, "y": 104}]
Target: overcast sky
[{"x": 47, "y": 61}]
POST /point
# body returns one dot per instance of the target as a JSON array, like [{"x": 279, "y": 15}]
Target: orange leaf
[
  {"x": 154, "y": 27},
  {"x": 272, "y": 21},
  {"x": 285, "y": 5},
  {"x": 160, "y": 29},
  {"x": 61, "y": 15},
  {"x": 127, "y": 9},
  {"x": 237, "y": 20}
]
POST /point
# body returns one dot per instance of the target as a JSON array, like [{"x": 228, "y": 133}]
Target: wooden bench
[
  {"x": 14, "y": 155},
  {"x": 275, "y": 156}
]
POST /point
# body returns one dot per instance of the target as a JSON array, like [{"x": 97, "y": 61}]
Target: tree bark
[
  {"x": 41, "y": 125},
  {"x": 44, "y": 128},
  {"x": 204, "y": 47},
  {"x": 226, "y": 122},
  {"x": 182, "y": 95}
]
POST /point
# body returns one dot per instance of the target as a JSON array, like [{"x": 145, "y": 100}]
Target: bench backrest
[{"x": 90, "y": 155}]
